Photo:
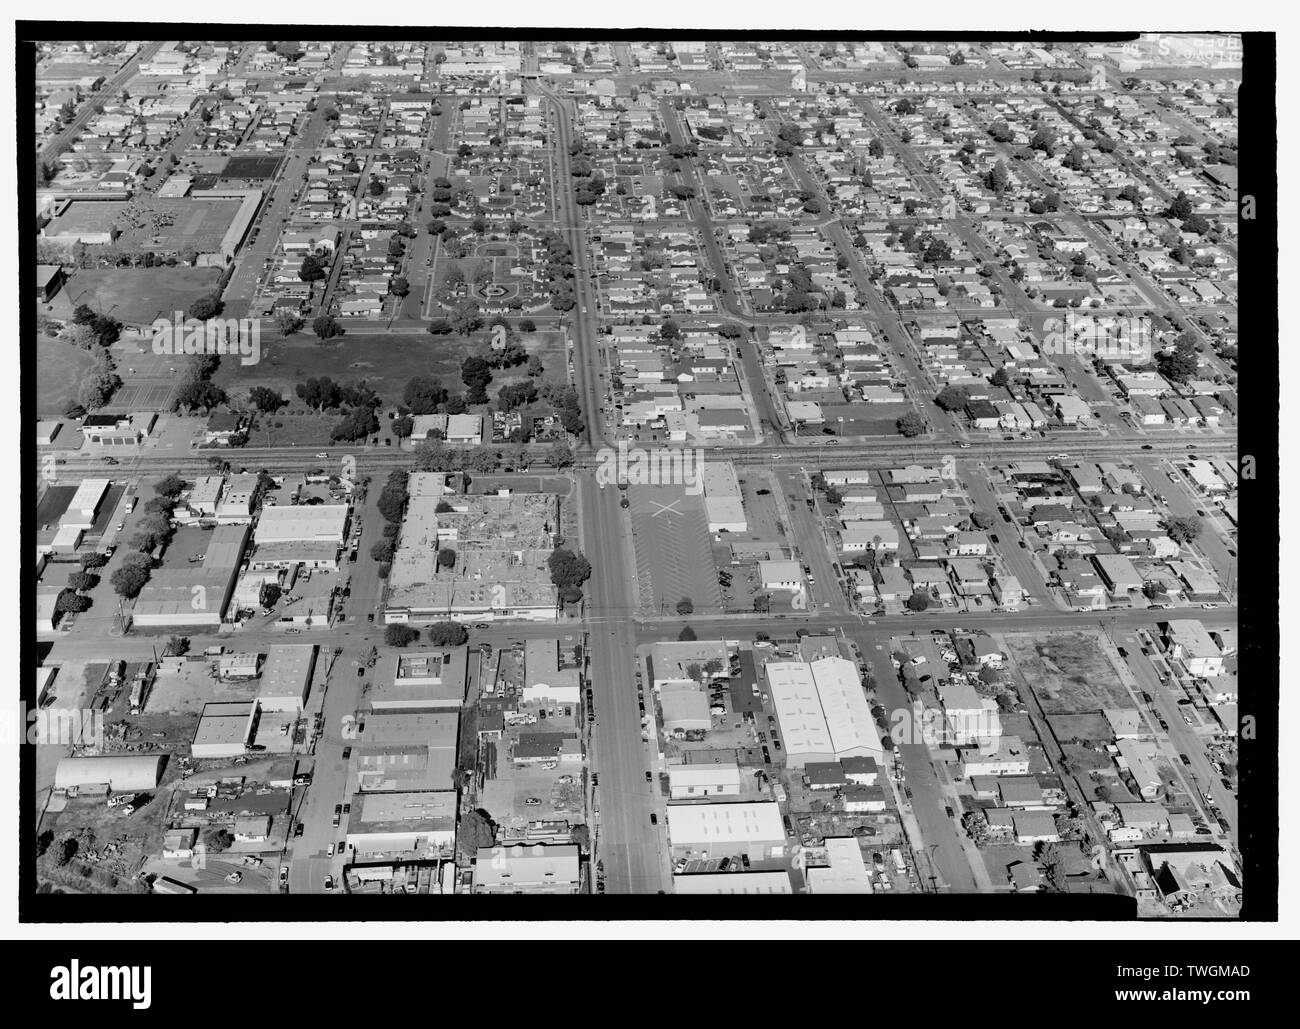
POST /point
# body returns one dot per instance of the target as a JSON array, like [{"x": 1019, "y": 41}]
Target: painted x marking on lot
[{"x": 665, "y": 508}]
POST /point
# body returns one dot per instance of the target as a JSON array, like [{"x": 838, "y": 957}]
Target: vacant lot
[
  {"x": 60, "y": 367},
  {"x": 1069, "y": 671},
  {"x": 139, "y": 295},
  {"x": 385, "y": 362}
]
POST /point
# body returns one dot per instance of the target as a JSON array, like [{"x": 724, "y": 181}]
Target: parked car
[
  {"x": 654, "y": 818},
  {"x": 649, "y": 777},
  {"x": 328, "y": 882}
]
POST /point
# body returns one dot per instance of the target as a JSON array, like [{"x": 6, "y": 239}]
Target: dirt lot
[{"x": 1069, "y": 671}]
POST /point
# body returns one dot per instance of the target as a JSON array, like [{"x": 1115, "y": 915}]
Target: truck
[{"x": 900, "y": 865}]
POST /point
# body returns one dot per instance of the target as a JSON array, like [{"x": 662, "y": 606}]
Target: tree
[
  {"x": 476, "y": 373},
  {"x": 71, "y": 602},
  {"x": 527, "y": 325},
  {"x": 981, "y": 519},
  {"x": 918, "y": 601},
  {"x": 269, "y": 595},
  {"x": 447, "y": 634},
  {"x": 177, "y": 646},
  {"x": 568, "y": 567},
  {"x": 357, "y": 425},
  {"x": 446, "y": 558},
  {"x": 424, "y": 394},
  {"x": 685, "y": 606},
  {"x": 1183, "y": 529},
  {"x": 1001, "y": 377},
  {"x": 205, "y": 307},
  {"x": 911, "y": 424},
  {"x": 382, "y": 550},
  {"x": 398, "y": 286},
  {"x": 266, "y": 399},
  {"x": 311, "y": 269},
  {"x": 560, "y": 455},
  {"x": 476, "y": 831},
  {"x": 218, "y": 840},
  {"x": 952, "y": 398},
  {"x": 326, "y": 327},
  {"x": 400, "y": 635},
  {"x": 82, "y": 582},
  {"x": 686, "y": 635}
]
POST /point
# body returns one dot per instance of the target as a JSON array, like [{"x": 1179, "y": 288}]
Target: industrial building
[
  {"x": 732, "y": 883},
  {"x": 121, "y": 773},
  {"x": 822, "y": 710},
  {"x": 726, "y": 830},
  {"x": 286, "y": 677},
  {"x": 419, "y": 823},
  {"x": 527, "y": 869},
  {"x": 847, "y": 872},
  {"x": 696, "y": 782}
]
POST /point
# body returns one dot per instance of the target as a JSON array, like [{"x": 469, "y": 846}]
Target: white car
[{"x": 322, "y": 454}]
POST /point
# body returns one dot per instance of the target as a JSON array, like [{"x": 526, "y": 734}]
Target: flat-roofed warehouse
[
  {"x": 502, "y": 545},
  {"x": 723, "y": 503},
  {"x": 430, "y": 679},
  {"x": 286, "y": 677},
  {"x": 322, "y": 523},
  {"x": 121, "y": 772},
  {"x": 190, "y": 597},
  {"x": 403, "y": 822},
  {"x": 799, "y": 713},
  {"x": 726, "y": 830},
  {"x": 527, "y": 869},
  {"x": 732, "y": 883},
  {"x": 407, "y": 751}
]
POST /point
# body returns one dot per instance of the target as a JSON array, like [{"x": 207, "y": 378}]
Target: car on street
[
  {"x": 649, "y": 777},
  {"x": 297, "y": 830},
  {"x": 1147, "y": 446},
  {"x": 322, "y": 454},
  {"x": 347, "y": 753},
  {"x": 1185, "y": 760},
  {"x": 341, "y": 847},
  {"x": 654, "y": 818},
  {"x": 1164, "y": 726},
  {"x": 328, "y": 882}
]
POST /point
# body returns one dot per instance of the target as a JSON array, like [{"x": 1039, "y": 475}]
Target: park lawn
[
  {"x": 139, "y": 295},
  {"x": 60, "y": 367},
  {"x": 385, "y": 361}
]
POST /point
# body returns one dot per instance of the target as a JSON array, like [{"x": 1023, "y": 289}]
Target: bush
[{"x": 447, "y": 634}]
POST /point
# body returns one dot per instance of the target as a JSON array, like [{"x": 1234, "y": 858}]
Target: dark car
[
  {"x": 370, "y": 617},
  {"x": 744, "y": 860},
  {"x": 767, "y": 757},
  {"x": 347, "y": 753},
  {"x": 595, "y": 778},
  {"x": 724, "y": 864},
  {"x": 654, "y": 819},
  {"x": 776, "y": 743},
  {"x": 649, "y": 777},
  {"x": 297, "y": 830},
  {"x": 1185, "y": 760},
  {"x": 1147, "y": 446},
  {"x": 1164, "y": 726},
  {"x": 993, "y": 537}
]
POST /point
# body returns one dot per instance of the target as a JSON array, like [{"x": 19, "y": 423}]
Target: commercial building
[
  {"x": 502, "y": 544},
  {"x": 723, "y": 500},
  {"x": 551, "y": 672},
  {"x": 431, "y": 679},
  {"x": 685, "y": 708}
]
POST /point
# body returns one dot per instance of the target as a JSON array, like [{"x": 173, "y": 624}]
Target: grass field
[
  {"x": 60, "y": 368},
  {"x": 386, "y": 362},
  {"x": 1069, "y": 671},
  {"x": 139, "y": 295}
]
